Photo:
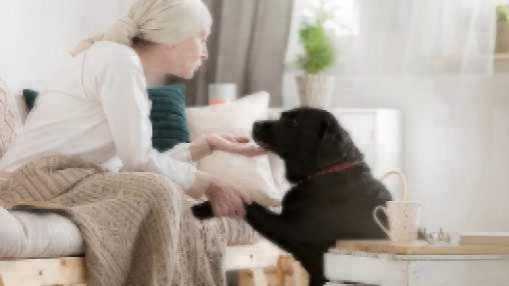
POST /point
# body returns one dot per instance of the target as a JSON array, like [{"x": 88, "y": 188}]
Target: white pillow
[{"x": 254, "y": 175}]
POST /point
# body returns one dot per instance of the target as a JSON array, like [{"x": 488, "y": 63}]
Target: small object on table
[
  {"x": 440, "y": 237},
  {"x": 421, "y": 233}
]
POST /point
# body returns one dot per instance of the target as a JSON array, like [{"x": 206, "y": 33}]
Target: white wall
[{"x": 36, "y": 35}]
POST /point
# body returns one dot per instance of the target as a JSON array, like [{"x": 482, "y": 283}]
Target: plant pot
[
  {"x": 315, "y": 90},
  {"x": 502, "y": 40}
]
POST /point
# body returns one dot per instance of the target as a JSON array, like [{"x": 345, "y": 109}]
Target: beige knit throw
[{"x": 137, "y": 227}]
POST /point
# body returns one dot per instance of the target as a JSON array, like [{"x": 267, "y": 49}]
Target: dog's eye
[{"x": 292, "y": 122}]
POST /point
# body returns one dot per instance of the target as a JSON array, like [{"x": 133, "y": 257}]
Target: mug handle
[{"x": 377, "y": 220}]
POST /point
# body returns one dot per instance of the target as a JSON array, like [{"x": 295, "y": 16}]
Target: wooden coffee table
[{"x": 419, "y": 264}]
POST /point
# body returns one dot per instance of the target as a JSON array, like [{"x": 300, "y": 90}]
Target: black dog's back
[{"x": 337, "y": 206}]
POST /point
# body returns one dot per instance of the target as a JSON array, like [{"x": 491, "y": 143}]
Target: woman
[{"x": 98, "y": 108}]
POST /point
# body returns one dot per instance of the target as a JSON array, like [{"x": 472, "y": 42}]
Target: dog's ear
[{"x": 328, "y": 148}]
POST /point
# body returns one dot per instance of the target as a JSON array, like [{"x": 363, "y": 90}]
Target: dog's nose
[{"x": 261, "y": 131}]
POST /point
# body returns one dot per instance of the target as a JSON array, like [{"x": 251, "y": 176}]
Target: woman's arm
[
  {"x": 203, "y": 146},
  {"x": 190, "y": 152},
  {"x": 121, "y": 91}
]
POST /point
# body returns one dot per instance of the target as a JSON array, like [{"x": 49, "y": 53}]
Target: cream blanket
[{"x": 137, "y": 227}]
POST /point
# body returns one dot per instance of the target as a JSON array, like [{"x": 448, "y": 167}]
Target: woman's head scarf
[{"x": 159, "y": 21}]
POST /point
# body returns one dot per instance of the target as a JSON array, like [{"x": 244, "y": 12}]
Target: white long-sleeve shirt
[{"x": 98, "y": 109}]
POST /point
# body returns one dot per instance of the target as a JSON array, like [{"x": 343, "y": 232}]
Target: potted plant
[
  {"x": 315, "y": 88},
  {"x": 502, "y": 39}
]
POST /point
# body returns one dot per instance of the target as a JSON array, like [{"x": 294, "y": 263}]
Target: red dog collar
[{"x": 332, "y": 169}]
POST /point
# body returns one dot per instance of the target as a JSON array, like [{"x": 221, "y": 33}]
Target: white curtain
[
  {"x": 419, "y": 38},
  {"x": 433, "y": 60}
]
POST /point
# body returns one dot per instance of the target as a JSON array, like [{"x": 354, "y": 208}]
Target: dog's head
[{"x": 307, "y": 139}]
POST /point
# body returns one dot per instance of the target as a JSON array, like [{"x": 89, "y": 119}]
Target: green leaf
[
  {"x": 319, "y": 51},
  {"x": 502, "y": 13}
]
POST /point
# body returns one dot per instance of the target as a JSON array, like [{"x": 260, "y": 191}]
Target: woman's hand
[
  {"x": 234, "y": 144},
  {"x": 226, "y": 199}
]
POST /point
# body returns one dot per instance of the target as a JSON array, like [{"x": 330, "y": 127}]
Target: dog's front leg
[{"x": 273, "y": 226}]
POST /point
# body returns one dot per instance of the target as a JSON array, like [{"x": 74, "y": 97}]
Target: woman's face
[{"x": 189, "y": 55}]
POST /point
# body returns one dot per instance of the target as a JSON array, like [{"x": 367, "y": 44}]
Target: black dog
[{"x": 334, "y": 194}]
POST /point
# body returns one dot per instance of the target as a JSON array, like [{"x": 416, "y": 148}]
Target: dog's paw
[{"x": 203, "y": 210}]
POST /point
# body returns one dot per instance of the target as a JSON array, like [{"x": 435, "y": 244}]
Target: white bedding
[
  {"x": 28, "y": 234},
  {"x": 25, "y": 234}
]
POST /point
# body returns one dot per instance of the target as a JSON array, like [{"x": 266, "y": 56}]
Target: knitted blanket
[{"x": 137, "y": 227}]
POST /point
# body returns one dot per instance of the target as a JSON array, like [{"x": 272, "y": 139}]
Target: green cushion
[
  {"x": 30, "y": 96},
  {"x": 167, "y": 114}
]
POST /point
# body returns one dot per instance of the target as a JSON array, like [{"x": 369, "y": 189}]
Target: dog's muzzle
[{"x": 262, "y": 132}]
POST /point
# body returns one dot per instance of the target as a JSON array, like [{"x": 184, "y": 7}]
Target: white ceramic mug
[{"x": 403, "y": 219}]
